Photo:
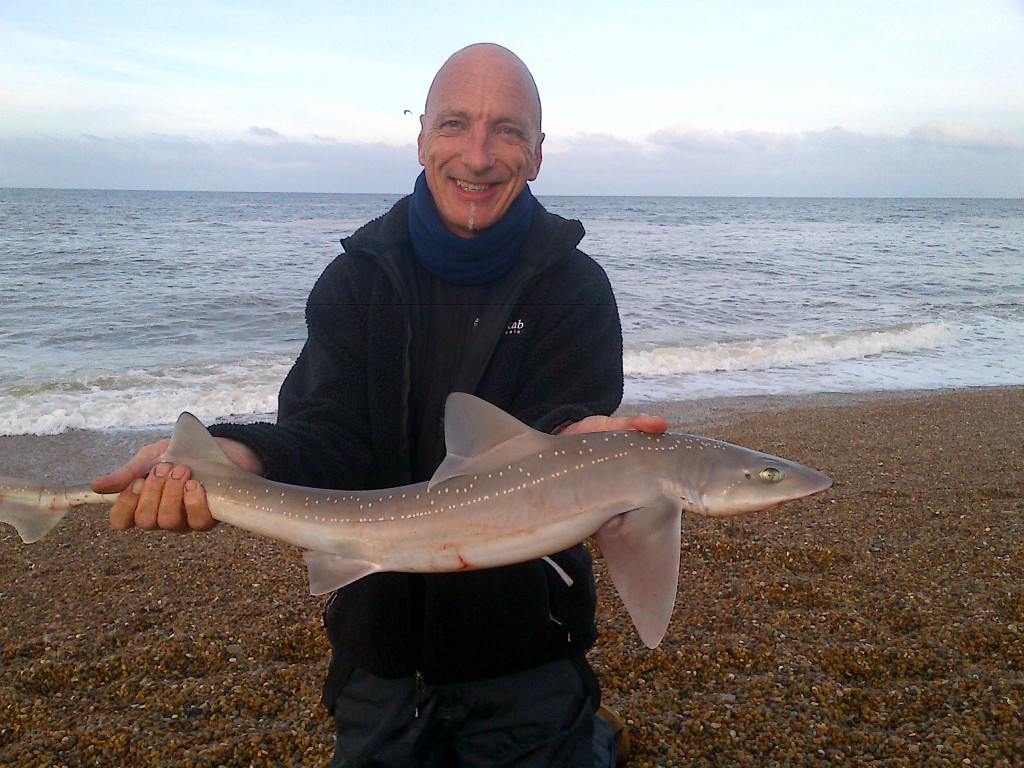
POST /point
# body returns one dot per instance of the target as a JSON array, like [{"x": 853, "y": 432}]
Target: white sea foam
[
  {"x": 786, "y": 352},
  {"x": 137, "y": 398}
]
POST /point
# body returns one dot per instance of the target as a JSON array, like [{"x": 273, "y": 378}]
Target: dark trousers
[{"x": 540, "y": 718}]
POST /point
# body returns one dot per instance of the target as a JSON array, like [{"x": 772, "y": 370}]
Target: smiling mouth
[{"x": 469, "y": 187}]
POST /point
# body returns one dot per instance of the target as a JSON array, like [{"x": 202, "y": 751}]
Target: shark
[{"x": 505, "y": 493}]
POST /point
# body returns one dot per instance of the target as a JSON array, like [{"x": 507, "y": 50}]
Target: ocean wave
[
  {"x": 143, "y": 397},
  {"x": 786, "y": 352}
]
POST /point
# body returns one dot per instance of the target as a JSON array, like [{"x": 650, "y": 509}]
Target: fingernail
[
  {"x": 161, "y": 470},
  {"x": 178, "y": 472},
  {"x": 191, "y": 486},
  {"x": 137, "y": 486}
]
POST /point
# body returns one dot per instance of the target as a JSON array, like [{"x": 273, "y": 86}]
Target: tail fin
[{"x": 33, "y": 510}]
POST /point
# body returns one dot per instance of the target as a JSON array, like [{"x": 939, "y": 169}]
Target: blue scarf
[{"x": 467, "y": 260}]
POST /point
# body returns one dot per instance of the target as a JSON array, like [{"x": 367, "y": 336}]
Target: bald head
[{"x": 483, "y": 63}]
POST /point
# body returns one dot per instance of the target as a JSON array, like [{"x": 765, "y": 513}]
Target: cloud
[
  {"x": 267, "y": 133},
  {"x": 940, "y": 161},
  {"x": 933, "y": 160},
  {"x": 980, "y": 139},
  {"x": 940, "y": 134},
  {"x": 159, "y": 161}
]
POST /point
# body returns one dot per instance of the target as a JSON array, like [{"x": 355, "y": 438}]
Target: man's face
[{"x": 480, "y": 138}]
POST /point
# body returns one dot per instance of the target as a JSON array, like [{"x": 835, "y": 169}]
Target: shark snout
[{"x": 761, "y": 487}]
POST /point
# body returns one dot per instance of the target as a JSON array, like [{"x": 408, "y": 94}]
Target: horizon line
[{"x": 538, "y": 195}]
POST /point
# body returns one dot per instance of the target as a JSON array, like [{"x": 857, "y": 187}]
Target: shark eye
[{"x": 771, "y": 475}]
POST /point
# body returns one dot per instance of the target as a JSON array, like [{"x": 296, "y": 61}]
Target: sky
[{"x": 834, "y": 98}]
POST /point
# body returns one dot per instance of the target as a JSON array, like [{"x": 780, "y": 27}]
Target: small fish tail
[{"x": 33, "y": 510}]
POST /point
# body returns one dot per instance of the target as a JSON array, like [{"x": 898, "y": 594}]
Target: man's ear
[
  {"x": 538, "y": 156},
  {"x": 420, "y": 139}
]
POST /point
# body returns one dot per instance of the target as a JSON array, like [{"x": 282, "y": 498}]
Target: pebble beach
[{"x": 880, "y": 623}]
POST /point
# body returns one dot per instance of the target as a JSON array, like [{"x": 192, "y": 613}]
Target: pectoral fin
[
  {"x": 641, "y": 549},
  {"x": 329, "y": 572}
]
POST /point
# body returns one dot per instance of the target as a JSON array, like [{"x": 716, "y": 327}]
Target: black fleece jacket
[{"x": 343, "y": 423}]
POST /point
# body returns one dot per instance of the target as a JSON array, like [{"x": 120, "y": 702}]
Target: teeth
[{"x": 471, "y": 187}]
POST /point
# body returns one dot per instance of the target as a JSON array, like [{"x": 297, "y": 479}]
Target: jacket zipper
[{"x": 420, "y": 687}]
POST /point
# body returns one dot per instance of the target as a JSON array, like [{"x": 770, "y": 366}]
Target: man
[{"x": 466, "y": 285}]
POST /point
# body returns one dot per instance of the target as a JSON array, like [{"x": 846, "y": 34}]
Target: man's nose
[{"x": 478, "y": 154}]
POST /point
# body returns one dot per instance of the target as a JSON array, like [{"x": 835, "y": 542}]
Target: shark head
[{"x": 742, "y": 481}]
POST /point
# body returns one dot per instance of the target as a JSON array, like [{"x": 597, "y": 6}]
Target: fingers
[
  {"x": 646, "y": 423},
  {"x": 640, "y": 423},
  {"x": 196, "y": 507},
  {"x": 170, "y": 505},
  {"x": 166, "y": 499},
  {"x": 122, "y": 513}
]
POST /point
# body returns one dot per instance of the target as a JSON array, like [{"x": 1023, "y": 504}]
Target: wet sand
[{"x": 880, "y": 623}]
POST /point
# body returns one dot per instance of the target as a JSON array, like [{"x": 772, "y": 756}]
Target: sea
[{"x": 120, "y": 309}]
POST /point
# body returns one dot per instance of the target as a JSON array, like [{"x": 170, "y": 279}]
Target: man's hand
[
  {"x": 641, "y": 423},
  {"x": 165, "y": 497}
]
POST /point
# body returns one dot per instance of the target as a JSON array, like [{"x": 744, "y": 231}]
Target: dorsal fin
[
  {"x": 191, "y": 440},
  {"x": 481, "y": 437}
]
